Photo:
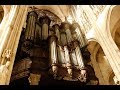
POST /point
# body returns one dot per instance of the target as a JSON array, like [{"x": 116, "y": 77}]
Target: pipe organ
[{"x": 49, "y": 50}]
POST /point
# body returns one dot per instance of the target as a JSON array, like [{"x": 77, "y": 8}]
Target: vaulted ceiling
[{"x": 61, "y": 11}]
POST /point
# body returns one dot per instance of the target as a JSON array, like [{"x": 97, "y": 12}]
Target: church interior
[{"x": 50, "y": 45}]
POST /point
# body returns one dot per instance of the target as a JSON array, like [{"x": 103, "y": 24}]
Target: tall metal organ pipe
[
  {"x": 64, "y": 41},
  {"x": 30, "y": 29},
  {"x": 45, "y": 26},
  {"x": 56, "y": 27},
  {"x": 79, "y": 55},
  {"x": 77, "y": 34},
  {"x": 53, "y": 53},
  {"x": 66, "y": 27}
]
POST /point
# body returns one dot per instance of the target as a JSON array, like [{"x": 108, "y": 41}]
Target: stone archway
[{"x": 100, "y": 63}]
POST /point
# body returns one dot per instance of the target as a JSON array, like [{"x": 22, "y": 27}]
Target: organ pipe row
[{"x": 63, "y": 40}]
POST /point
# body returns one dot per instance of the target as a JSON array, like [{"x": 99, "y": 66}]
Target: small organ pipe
[
  {"x": 61, "y": 54},
  {"x": 74, "y": 58},
  {"x": 66, "y": 26},
  {"x": 56, "y": 27},
  {"x": 44, "y": 31},
  {"x": 45, "y": 26},
  {"x": 63, "y": 39},
  {"x": 53, "y": 52},
  {"x": 77, "y": 35},
  {"x": 67, "y": 59}
]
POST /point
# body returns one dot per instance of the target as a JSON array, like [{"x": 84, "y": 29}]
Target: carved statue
[
  {"x": 34, "y": 79},
  {"x": 4, "y": 66}
]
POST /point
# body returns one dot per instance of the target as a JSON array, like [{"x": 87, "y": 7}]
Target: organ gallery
[{"x": 58, "y": 45}]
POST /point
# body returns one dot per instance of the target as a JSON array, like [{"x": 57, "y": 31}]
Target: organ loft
[{"x": 59, "y": 45}]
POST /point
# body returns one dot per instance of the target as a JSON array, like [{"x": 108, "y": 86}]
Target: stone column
[
  {"x": 101, "y": 34},
  {"x": 18, "y": 21},
  {"x": 6, "y": 27}
]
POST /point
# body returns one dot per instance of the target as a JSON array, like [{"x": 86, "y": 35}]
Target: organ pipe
[
  {"x": 66, "y": 26},
  {"x": 79, "y": 55},
  {"x": 56, "y": 28},
  {"x": 61, "y": 55},
  {"x": 53, "y": 54},
  {"x": 45, "y": 26},
  {"x": 68, "y": 62},
  {"x": 38, "y": 33},
  {"x": 73, "y": 58},
  {"x": 77, "y": 35},
  {"x": 30, "y": 29},
  {"x": 63, "y": 38}
]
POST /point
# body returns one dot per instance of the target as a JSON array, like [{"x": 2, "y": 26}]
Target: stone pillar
[
  {"x": 101, "y": 34},
  {"x": 13, "y": 40},
  {"x": 6, "y": 27}
]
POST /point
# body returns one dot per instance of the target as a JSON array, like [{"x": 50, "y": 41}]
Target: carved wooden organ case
[{"x": 47, "y": 47}]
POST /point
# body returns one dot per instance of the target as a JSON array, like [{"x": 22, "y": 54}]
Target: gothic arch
[
  {"x": 110, "y": 78},
  {"x": 113, "y": 19},
  {"x": 99, "y": 62},
  {"x": 113, "y": 23}
]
